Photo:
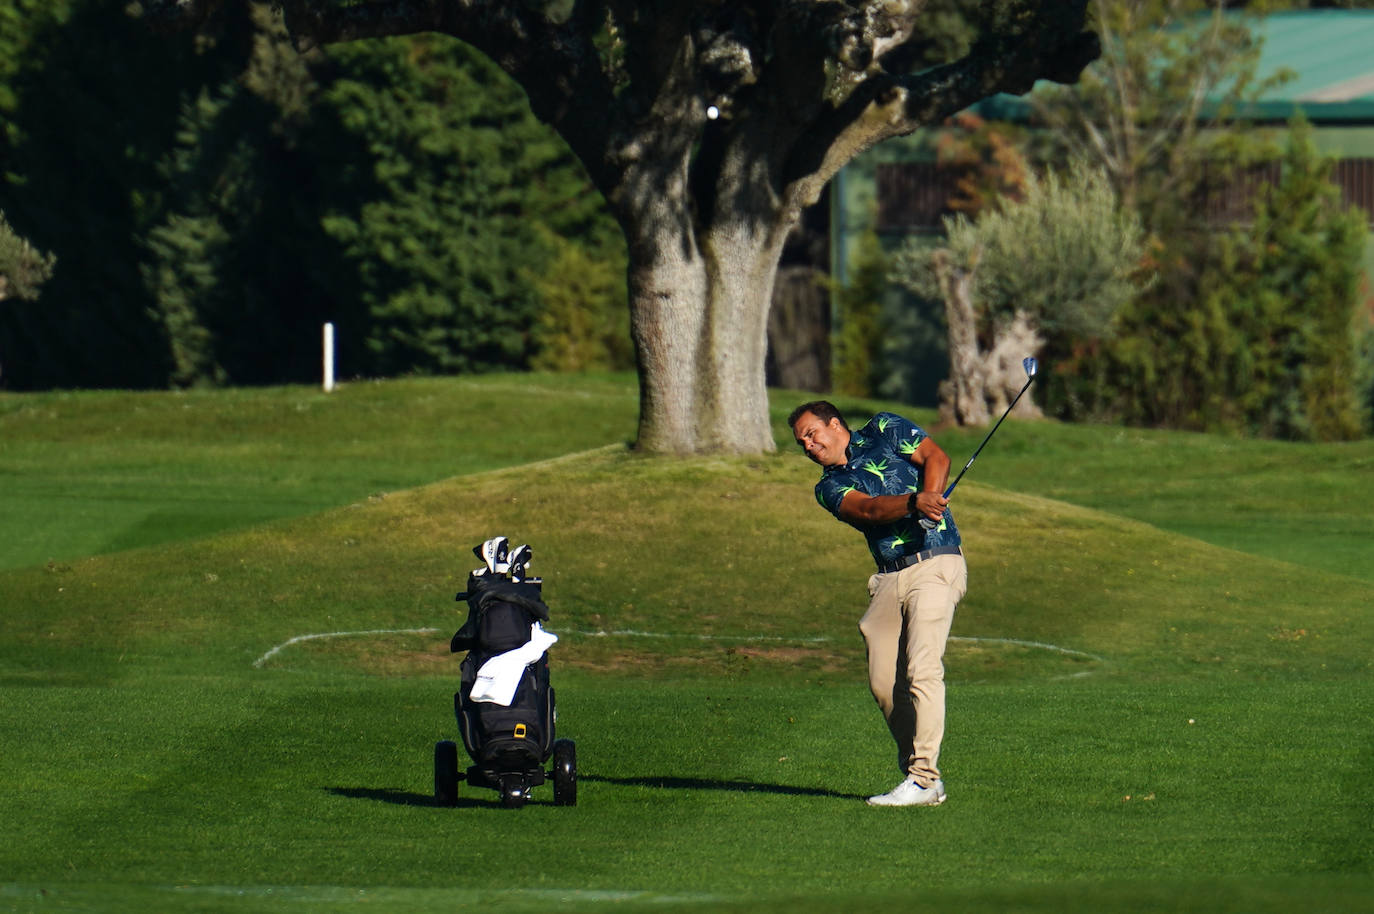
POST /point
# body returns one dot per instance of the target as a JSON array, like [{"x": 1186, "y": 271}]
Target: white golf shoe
[{"x": 909, "y": 793}]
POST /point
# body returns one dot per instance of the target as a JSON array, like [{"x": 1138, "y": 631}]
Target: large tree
[{"x": 708, "y": 126}]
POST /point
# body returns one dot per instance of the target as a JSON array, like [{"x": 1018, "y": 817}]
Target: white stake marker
[{"x": 328, "y": 357}]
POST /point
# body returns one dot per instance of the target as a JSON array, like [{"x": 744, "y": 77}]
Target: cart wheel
[
  {"x": 564, "y": 772},
  {"x": 446, "y": 773},
  {"x": 514, "y": 791}
]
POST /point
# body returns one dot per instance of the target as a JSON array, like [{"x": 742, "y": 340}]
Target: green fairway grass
[
  {"x": 1140, "y": 720},
  {"x": 94, "y": 472}
]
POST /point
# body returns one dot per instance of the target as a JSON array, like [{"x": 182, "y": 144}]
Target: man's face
[{"x": 823, "y": 442}]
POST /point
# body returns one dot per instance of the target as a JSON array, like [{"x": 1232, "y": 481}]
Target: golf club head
[{"x": 1030, "y": 365}]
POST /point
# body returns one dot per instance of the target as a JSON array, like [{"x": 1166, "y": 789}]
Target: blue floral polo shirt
[{"x": 880, "y": 464}]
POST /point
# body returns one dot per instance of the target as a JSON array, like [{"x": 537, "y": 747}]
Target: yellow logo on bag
[{"x": 519, "y": 730}]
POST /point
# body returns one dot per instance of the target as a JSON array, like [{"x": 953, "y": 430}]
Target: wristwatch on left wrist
[{"x": 911, "y": 503}]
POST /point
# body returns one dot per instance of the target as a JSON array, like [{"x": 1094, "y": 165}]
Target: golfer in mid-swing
[{"x": 882, "y": 480}]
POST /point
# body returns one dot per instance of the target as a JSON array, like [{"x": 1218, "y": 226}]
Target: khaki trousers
[{"x": 905, "y": 629}]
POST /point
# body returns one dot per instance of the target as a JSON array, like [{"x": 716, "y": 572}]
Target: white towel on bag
[{"x": 499, "y": 677}]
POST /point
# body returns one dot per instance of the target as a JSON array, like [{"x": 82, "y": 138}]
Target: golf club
[{"x": 1029, "y": 364}]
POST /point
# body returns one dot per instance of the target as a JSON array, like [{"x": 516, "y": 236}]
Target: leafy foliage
[
  {"x": 430, "y": 233},
  {"x": 1270, "y": 345},
  {"x": 1248, "y": 328},
  {"x": 1161, "y": 98},
  {"x": 859, "y": 368},
  {"x": 22, "y": 268},
  {"x": 94, "y": 102},
  {"x": 1365, "y": 378},
  {"x": 584, "y": 324},
  {"x": 1067, "y": 255},
  {"x": 453, "y": 196},
  {"x": 989, "y": 153},
  {"x": 20, "y": 22},
  {"x": 227, "y": 194},
  {"x": 231, "y": 249}
]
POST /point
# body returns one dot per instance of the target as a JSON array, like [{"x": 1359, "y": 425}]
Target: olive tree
[
  {"x": 1060, "y": 261},
  {"x": 708, "y": 126}
]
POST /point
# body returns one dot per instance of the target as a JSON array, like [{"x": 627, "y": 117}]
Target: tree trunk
[
  {"x": 962, "y": 397},
  {"x": 1003, "y": 369},
  {"x": 734, "y": 390},
  {"x": 666, "y": 321},
  {"x": 981, "y": 383},
  {"x": 700, "y": 329}
]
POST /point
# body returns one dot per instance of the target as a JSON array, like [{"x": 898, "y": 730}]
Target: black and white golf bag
[
  {"x": 518, "y": 736},
  {"x": 504, "y": 703}
]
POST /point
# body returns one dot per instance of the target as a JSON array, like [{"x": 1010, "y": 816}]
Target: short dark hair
[{"x": 823, "y": 410}]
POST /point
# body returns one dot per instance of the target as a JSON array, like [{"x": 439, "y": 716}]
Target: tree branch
[
  {"x": 885, "y": 105},
  {"x": 178, "y": 15}
]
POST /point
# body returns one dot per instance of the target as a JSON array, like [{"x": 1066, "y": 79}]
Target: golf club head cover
[
  {"x": 519, "y": 562},
  {"x": 493, "y": 553}
]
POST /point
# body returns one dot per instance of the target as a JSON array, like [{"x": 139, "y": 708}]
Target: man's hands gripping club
[{"x": 930, "y": 507}]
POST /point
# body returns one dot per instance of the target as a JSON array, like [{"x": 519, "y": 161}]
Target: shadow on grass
[
  {"x": 410, "y": 798},
  {"x": 470, "y": 798},
  {"x": 393, "y": 796},
  {"x": 675, "y": 783}
]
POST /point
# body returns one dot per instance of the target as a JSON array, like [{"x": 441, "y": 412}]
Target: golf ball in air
[{"x": 712, "y": 112}]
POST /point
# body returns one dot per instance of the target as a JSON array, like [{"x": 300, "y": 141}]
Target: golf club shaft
[
  {"x": 927, "y": 523},
  {"x": 1011, "y": 406}
]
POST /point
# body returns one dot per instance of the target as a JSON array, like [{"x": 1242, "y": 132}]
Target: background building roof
[{"x": 1331, "y": 53}]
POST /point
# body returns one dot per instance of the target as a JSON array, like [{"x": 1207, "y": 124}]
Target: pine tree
[
  {"x": 1290, "y": 301},
  {"x": 231, "y": 242},
  {"x": 449, "y": 180},
  {"x": 90, "y": 105}
]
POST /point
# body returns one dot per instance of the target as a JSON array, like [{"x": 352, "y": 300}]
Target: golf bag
[
  {"x": 518, "y": 736},
  {"x": 505, "y": 704}
]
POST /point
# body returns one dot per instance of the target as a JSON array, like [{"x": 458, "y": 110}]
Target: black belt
[{"x": 909, "y": 560}]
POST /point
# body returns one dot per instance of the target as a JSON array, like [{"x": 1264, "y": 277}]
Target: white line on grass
[
  {"x": 1036, "y": 644},
  {"x": 694, "y": 636},
  {"x": 378, "y": 631},
  {"x": 631, "y": 633}
]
